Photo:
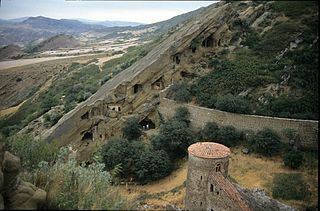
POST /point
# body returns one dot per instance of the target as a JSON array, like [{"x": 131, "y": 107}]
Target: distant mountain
[
  {"x": 35, "y": 28},
  {"x": 110, "y": 23},
  {"x": 18, "y": 19},
  {"x": 62, "y": 25}
]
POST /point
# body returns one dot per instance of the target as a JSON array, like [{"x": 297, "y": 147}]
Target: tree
[
  {"x": 121, "y": 151},
  {"x": 182, "y": 114},
  {"x": 228, "y": 136},
  {"x": 132, "y": 130},
  {"x": 152, "y": 165},
  {"x": 266, "y": 142},
  {"x": 174, "y": 137},
  {"x": 293, "y": 159},
  {"x": 210, "y": 132}
]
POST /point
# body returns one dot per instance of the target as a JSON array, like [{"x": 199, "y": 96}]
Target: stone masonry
[{"x": 207, "y": 186}]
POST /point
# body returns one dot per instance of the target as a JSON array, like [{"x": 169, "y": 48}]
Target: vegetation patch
[{"x": 289, "y": 186}]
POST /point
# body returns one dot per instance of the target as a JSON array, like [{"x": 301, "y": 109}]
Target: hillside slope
[
  {"x": 56, "y": 42},
  {"x": 10, "y": 52},
  {"x": 270, "y": 66}
]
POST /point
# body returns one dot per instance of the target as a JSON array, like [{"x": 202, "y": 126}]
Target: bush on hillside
[
  {"x": 132, "y": 130},
  {"x": 233, "y": 104},
  {"x": 31, "y": 151},
  {"x": 121, "y": 152},
  {"x": 174, "y": 138},
  {"x": 210, "y": 132},
  {"x": 293, "y": 159},
  {"x": 289, "y": 186},
  {"x": 182, "y": 114},
  {"x": 152, "y": 165},
  {"x": 266, "y": 142},
  {"x": 294, "y": 9},
  {"x": 79, "y": 187},
  {"x": 229, "y": 136},
  {"x": 180, "y": 92}
]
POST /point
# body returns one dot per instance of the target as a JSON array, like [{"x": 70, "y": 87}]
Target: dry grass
[
  {"x": 249, "y": 171},
  {"x": 253, "y": 170}
]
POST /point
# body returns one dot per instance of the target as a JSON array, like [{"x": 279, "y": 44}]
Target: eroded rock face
[
  {"x": 15, "y": 193},
  {"x": 259, "y": 200}
]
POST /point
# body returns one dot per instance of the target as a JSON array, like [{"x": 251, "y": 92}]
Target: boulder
[
  {"x": 15, "y": 193},
  {"x": 245, "y": 151},
  {"x": 11, "y": 163},
  {"x": 26, "y": 196}
]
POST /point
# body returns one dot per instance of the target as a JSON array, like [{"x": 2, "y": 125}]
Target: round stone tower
[{"x": 206, "y": 159}]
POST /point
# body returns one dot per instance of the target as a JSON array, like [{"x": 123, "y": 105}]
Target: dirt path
[
  {"x": 102, "y": 60},
  {"x": 11, "y": 109},
  {"x": 22, "y": 62}
]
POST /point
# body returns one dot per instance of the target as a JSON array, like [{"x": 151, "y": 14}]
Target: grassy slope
[
  {"x": 74, "y": 85},
  {"x": 257, "y": 68}
]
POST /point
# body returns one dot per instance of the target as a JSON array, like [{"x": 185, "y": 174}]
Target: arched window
[
  {"x": 211, "y": 188},
  {"x": 218, "y": 167}
]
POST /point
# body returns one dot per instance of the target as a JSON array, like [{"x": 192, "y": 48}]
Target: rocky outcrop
[
  {"x": 135, "y": 91},
  {"x": 15, "y": 193},
  {"x": 259, "y": 201}
]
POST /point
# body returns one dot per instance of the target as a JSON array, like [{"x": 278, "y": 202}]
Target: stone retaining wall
[{"x": 307, "y": 129}]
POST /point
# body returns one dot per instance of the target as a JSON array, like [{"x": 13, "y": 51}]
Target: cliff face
[{"x": 135, "y": 91}]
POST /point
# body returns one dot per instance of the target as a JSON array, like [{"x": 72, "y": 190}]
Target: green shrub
[
  {"x": 152, "y": 165},
  {"x": 233, "y": 104},
  {"x": 294, "y": 9},
  {"x": 121, "y": 152},
  {"x": 174, "y": 138},
  {"x": 53, "y": 119},
  {"x": 132, "y": 130},
  {"x": 30, "y": 151},
  {"x": 228, "y": 136},
  {"x": 182, "y": 114},
  {"x": 289, "y": 186},
  {"x": 293, "y": 159},
  {"x": 180, "y": 92},
  {"x": 75, "y": 187},
  {"x": 210, "y": 132},
  {"x": 266, "y": 142},
  {"x": 252, "y": 39}
]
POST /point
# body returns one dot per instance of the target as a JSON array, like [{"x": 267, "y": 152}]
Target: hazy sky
[{"x": 137, "y": 11}]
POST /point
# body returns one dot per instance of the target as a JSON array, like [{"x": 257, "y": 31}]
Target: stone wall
[{"x": 307, "y": 129}]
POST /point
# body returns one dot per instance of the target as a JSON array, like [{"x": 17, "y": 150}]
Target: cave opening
[
  {"x": 158, "y": 84},
  {"x": 137, "y": 88},
  {"x": 147, "y": 124},
  {"x": 85, "y": 116},
  {"x": 177, "y": 58},
  {"x": 87, "y": 136},
  {"x": 208, "y": 42}
]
